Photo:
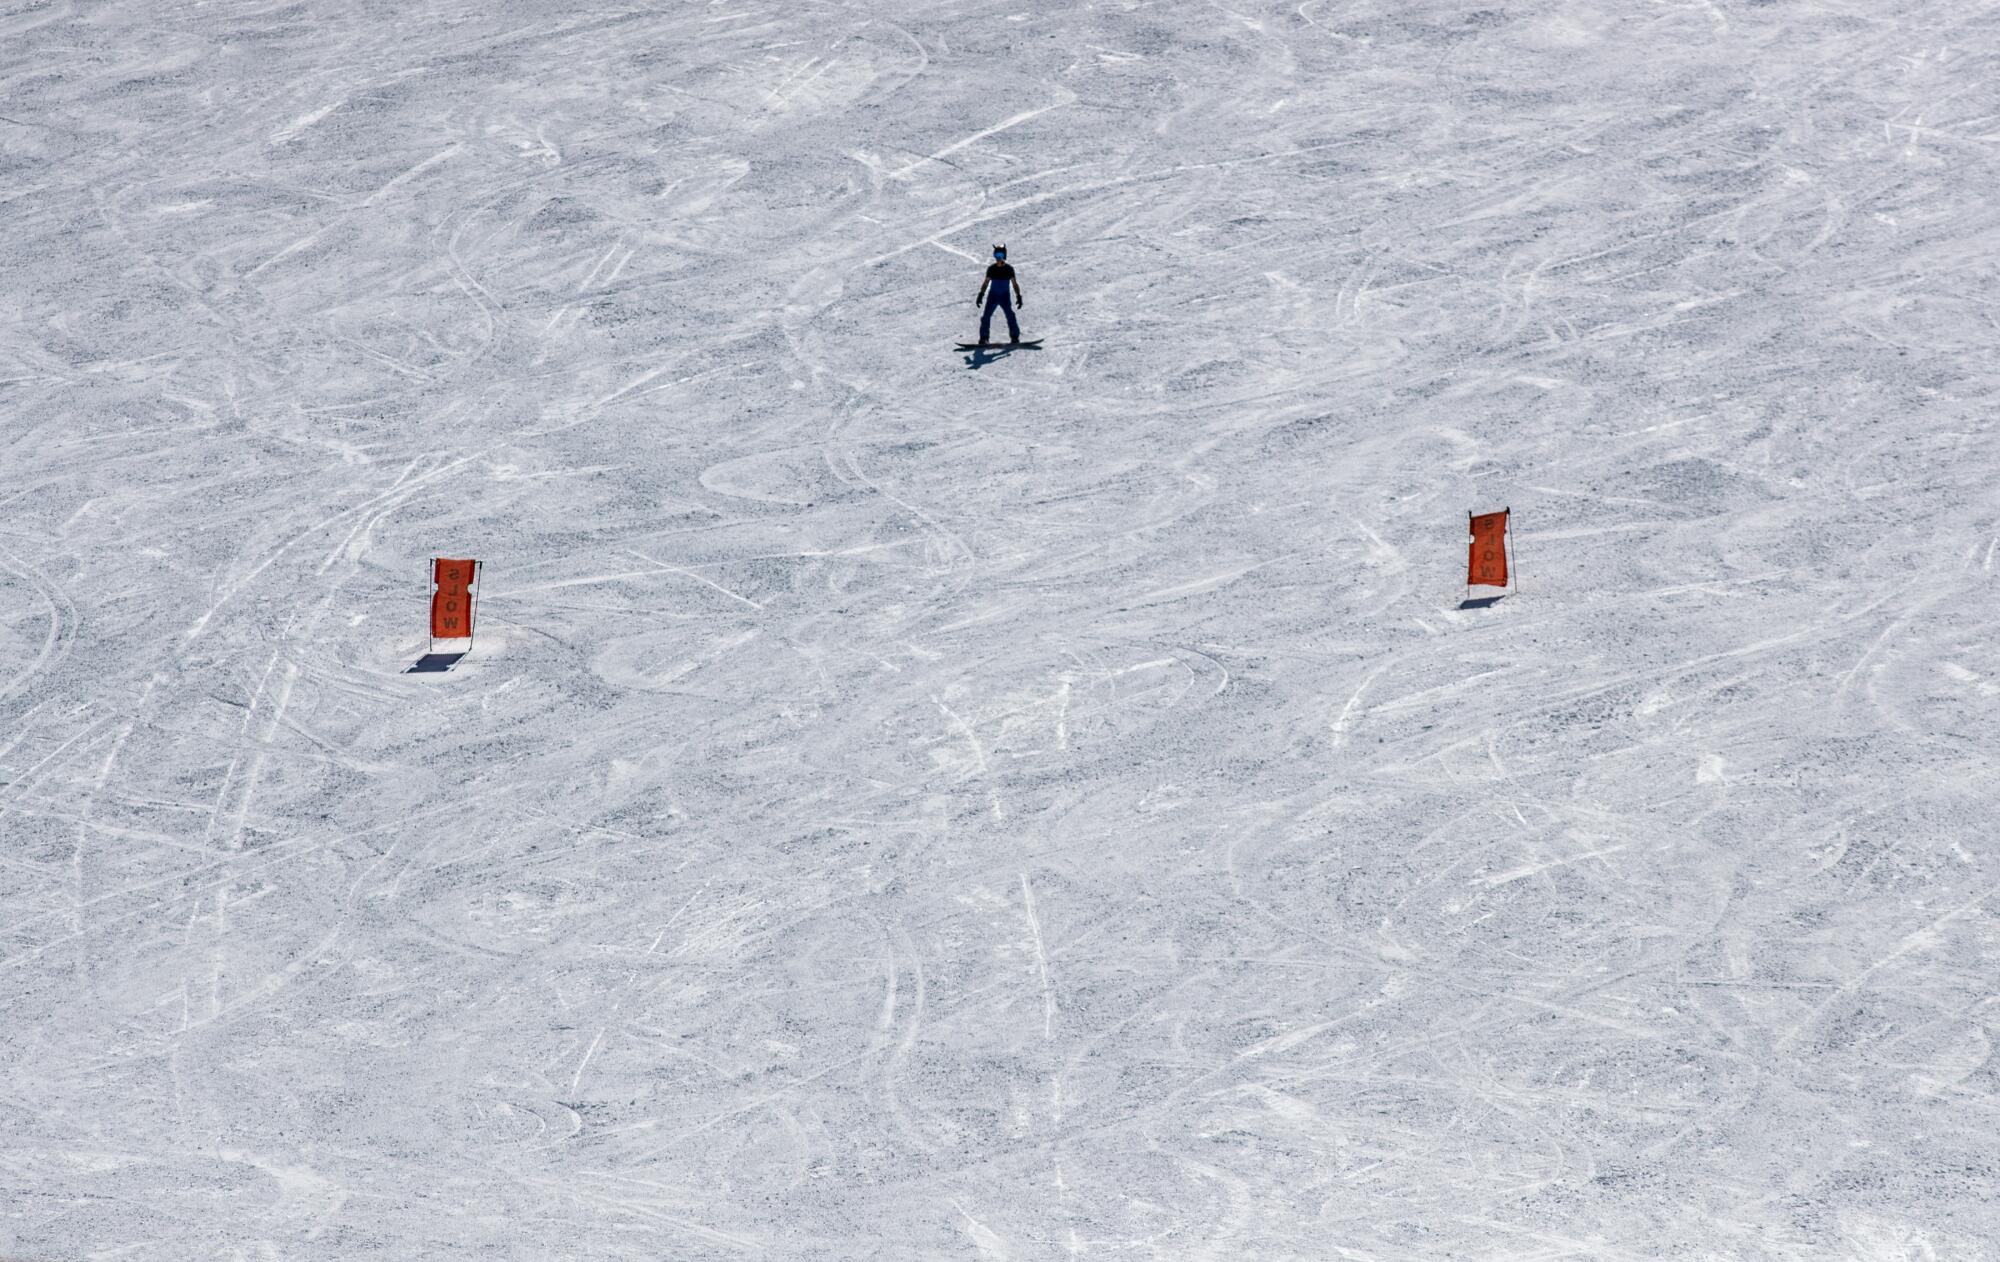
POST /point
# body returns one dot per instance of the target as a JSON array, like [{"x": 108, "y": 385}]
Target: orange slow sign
[
  {"x": 1488, "y": 563},
  {"x": 451, "y": 607}
]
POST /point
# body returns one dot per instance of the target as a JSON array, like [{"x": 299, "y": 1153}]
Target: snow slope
[{"x": 910, "y": 806}]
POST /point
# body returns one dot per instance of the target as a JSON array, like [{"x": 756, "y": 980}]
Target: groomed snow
[{"x": 909, "y": 806}]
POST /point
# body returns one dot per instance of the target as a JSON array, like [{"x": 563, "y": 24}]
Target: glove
[{"x": 1022, "y": 303}]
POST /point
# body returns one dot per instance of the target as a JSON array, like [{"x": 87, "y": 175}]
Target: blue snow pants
[{"x": 1004, "y": 301}]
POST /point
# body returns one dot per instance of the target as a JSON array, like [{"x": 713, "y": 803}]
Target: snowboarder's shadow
[{"x": 985, "y": 355}]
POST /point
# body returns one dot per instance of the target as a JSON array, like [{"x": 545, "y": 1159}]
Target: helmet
[{"x": 999, "y": 251}]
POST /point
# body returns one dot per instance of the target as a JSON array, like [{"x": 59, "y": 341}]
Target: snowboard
[{"x": 1031, "y": 344}]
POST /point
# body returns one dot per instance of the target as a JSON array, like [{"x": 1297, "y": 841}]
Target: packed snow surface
[{"x": 907, "y": 805}]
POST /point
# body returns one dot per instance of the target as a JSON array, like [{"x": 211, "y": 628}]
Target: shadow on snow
[{"x": 984, "y": 355}]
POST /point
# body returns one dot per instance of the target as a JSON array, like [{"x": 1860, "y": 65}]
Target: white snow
[{"x": 905, "y": 805}]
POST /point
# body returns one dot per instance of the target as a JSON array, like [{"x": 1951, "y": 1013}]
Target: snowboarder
[{"x": 999, "y": 289}]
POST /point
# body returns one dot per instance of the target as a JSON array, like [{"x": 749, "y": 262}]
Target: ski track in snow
[{"x": 907, "y": 805}]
